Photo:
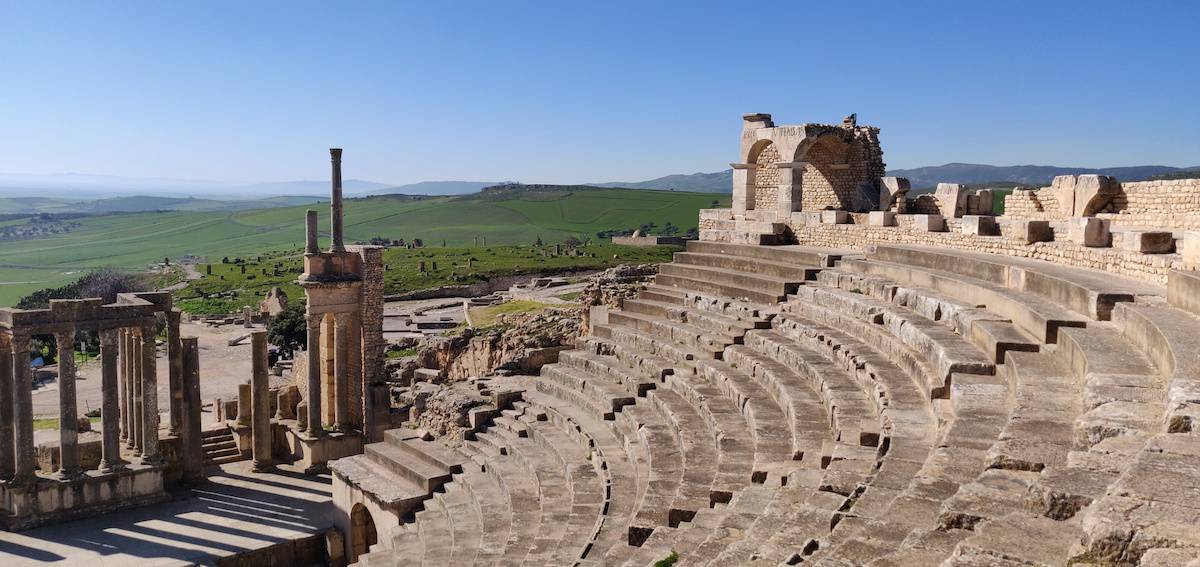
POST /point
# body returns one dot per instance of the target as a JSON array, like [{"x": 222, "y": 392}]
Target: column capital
[
  {"x": 149, "y": 329},
  {"x": 109, "y": 337}
]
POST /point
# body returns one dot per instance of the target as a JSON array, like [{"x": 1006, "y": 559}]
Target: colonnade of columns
[
  {"x": 129, "y": 406},
  {"x": 347, "y": 344}
]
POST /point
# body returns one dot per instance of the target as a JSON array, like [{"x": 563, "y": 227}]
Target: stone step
[
  {"x": 1039, "y": 432},
  {"x": 1036, "y": 316},
  {"x": 683, "y": 334},
  {"x": 785, "y": 271},
  {"x": 611, "y": 367},
  {"x": 435, "y": 528},
  {"x": 764, "y": 285},
  {"x": 402, "y": 463},
  {"x": 1089, "y": 293},
  {"x": 394, "y": 492},
  {"x": 429, "y": 452},
  {"x": 705, "y": 285},
  {"x": 1170, "y": 338},
  {"x": 799, "y": 255}
]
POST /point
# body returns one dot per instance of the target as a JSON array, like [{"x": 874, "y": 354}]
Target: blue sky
[{"x": 582, "y": 91}]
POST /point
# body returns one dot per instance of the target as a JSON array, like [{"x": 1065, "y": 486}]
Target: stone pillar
[
  {"x": 247, "y": 317},
  {"x": 313, "y": 416},
  {"x": 7, "y": 409},
  {"x": 68, "y": 413},
  {"x": 189, "y": 430},
  {"x": 743, "y": 187},
  {"x": 260, "y": 391},
  {"x": 354, "y": 381},
  {"x": 122, "y": 361},
  {"x": 310, "y": 234},
  {"x": 335, "y": 203},
  {"x": 150, "y": 454},
  {"x": 24, "y": 457},
  {"x": 129, "y": 407},
  {"x": 110, "y": 459},
  {"x": 245, "y": 412},
  {"x": 138, "y": 407},
  {"x": 790, "y": 191},
  {"x": 175, "y": 370},
  {"x": 341, "y": 371}
]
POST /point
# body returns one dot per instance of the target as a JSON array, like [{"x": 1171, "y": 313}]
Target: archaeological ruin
[{"x": 843, "y": 370}]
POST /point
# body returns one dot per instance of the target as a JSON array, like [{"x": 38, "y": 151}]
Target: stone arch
[
  {"x": 824, "y": 184},
  {"x": 362, "y": 531}
]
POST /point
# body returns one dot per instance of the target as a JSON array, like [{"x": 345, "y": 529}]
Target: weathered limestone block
[
  {"x": 1092, "y": 193},
  {"x": 834, "y": 217},
  {"x": 927, "y": 223},
  {"x": 881, "y": 218},
  {"x": 951, "y": 199},
  {"x": 1089, "y": 231},
  {"x": 1191, "y": 249},
  {"x": 980, "y": 225},
  {"x": 1030, "y": 231},
  {"x": 1063, "y": 190},
  {"x": 892, "y": 192},
  {"x": 1149, "y": 242}
]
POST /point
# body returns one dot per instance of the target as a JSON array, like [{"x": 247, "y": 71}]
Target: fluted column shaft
[
  {"x": 7, "y": 410},
  {"x": 313, "y": 418},
  {"x": 137, "y": 409},
  {"x": 341, "y": 371},
  {"x": 150, "y": 454},
  {"x": 123, "y": 382},
  {"x": 25, "y": 460},
  {"x": 68, "y": 412},
  {"x": 110, "y": 459},
  {"x": 175, "y": 369},
  {"x": 335, "y": 202}
]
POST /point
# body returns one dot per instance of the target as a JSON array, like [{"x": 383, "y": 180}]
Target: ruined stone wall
[
  {"x": 372, "y": 314},
  {"x": 766, "y": 178},
  {"x": 1150, "y": 267},
  {"x": 820, "y": 190},
  {"x": 1172, "y": 203}
]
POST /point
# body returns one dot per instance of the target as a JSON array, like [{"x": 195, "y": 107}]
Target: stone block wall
[
  {"x": 1150, "y": 267},
  {"x": 766, "y": 179},
  {"x": 1169, "y": 203}
]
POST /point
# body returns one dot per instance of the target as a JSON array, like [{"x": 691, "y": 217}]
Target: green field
[
  {"x": 137, "y": 240},
  {"x": 228, "y": 288}
]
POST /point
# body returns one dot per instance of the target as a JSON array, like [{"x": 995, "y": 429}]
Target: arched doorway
[
  {"x": 823, "y": 186},
  {"x": 765, "y": 182},
  {"x": 362, "y": 531}
]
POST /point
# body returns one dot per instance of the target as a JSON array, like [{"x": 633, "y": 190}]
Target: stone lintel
[
  {"x": 791, "y": 164},
  {"x": 743, "y": 165}
]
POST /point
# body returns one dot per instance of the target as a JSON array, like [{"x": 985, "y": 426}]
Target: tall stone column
[
  {"x": 110, "y": 459},
  {"x": 260, "y": 425},
  {"x": 129, "y": 407},
  {"x": 150, "y": 454},
  {"x": 7, "y": 409},
  {"x": 310, "y": 233},
  {"x": 341, "y": 371},
  {"x": 189, "y": 431},
  {"x": 313, "y": 418},
  {"x": 68, "y": 412},
  {"x": 123, "y": 402},
  {"x": 24, "y": 457},
  {"x": 175, "y": 369},
  {"x": 335, "y": 203},
  {"x": 137, "y": 406}
]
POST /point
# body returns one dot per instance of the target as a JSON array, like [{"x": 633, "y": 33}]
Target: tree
[
  {"x": 288, "y": 330},
  {"x": 571, "y": 241},
  {"x": 538, "y": 242}
]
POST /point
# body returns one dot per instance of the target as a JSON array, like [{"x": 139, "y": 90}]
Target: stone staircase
[
  {"x": 219, "y": 446},
  {"x": 787, "y": 405}
]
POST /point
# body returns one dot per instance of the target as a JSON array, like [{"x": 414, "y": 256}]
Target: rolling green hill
[{"x": 136, "y": 240}]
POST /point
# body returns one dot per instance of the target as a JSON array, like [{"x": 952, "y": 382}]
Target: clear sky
[{"x": 582, "y": 91}]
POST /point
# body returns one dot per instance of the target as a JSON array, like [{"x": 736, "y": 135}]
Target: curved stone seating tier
[
  {"x": 1086, "y": 292},
  {"x": 791, "y": 405},
  {"x": 1036, "y": 316}
]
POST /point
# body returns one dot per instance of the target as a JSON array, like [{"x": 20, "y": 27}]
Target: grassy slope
[
  {"x": 139, "y": 239},
  {"x": 228, "y": 289}
]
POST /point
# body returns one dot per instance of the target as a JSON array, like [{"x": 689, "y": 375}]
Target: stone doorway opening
[{"x": 362, "y": 531}]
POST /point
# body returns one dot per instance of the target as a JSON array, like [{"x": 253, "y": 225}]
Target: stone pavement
[{"x": 236, "y": 511}]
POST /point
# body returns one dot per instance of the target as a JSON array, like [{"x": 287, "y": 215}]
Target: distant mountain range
[{"x": 105, "y": 193}]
